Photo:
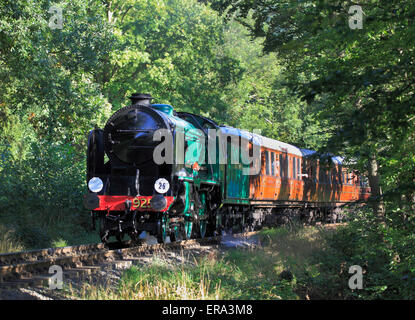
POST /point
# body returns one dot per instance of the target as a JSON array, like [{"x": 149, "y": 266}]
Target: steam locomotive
[{"x": 157, "y": 170}]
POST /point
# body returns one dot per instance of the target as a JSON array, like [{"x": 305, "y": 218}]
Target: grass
[
  {"x": 210, "y": 277},
  {"x": 8, "y": 242},
  {"x": 163, "y": 281},
  {"x": 29, "y": 234},
  {"x": 275, "y": 270}
]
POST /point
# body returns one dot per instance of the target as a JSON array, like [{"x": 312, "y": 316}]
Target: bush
[
  {"x": 8, "y": 242},
  {"x": 41, "y": 195},
  {"x": 385, "y": 253}
]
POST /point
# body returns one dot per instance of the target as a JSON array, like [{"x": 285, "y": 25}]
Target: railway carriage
[{"x": 193, "y": 192}]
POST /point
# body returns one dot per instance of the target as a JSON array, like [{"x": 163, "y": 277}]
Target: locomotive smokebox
[
  {"x": 142, "y": 99},
  {"x": 129, "y": 133}
]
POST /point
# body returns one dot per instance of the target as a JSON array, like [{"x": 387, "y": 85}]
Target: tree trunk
[{"x": 376, "y": 190}]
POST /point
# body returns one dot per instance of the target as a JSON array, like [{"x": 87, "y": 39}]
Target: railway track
[{"x": 31, "y": 268}]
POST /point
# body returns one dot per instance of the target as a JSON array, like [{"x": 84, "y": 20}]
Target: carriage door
[{"x": 237, "y": 184}]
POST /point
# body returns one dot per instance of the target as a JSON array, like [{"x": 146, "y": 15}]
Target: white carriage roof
[
  {"x": 336, "y": 159},
  {"x": 236, "y": 132},
  {"x": 274, "y": 144},
  {"x": 262, "y": 141},
  {"x": 307, "y": 152},
  {"x": 279, "y": 146}
]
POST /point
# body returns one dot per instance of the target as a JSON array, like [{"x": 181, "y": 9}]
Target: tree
[
  {"x": 261, "y": 99},
  {"x": 48, "y": 103},
  {"x": 360, "y": 81},
  {"x": 170, "y": 49},
  {"x": 46, "y": 74}
]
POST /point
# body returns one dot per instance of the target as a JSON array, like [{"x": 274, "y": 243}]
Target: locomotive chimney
[{"x": 141, "y": 98}]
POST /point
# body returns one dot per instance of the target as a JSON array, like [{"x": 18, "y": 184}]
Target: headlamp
[{"x": 95, "y": 184}]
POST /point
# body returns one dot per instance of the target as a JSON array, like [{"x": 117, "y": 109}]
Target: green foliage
[
  {"x": 172, "y": 51},
  {"x": 261, "y": 99},
  {"x": 387, "y": 262},
  {"x": 59, "y": 243},
  {"x": 42, "y": 192},
  {"x": 47, "y": 75},
  {"x": 320, "y": 258}
]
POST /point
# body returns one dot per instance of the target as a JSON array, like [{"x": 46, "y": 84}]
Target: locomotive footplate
[{"x": 138, "y": 203}]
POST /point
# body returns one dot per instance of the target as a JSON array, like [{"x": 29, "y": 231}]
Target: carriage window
[
  {"x": 281, "y": 166},
  {"x": 298, "y": 169},
  {"x": 267, "y": 163},
  {"x": 277, "y": 164},
  {"x": 294, "y": 168},
  {"x": 272, "y": 164}
]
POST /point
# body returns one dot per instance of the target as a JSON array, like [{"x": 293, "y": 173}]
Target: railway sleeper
[{"x": 37, "y": 281}]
